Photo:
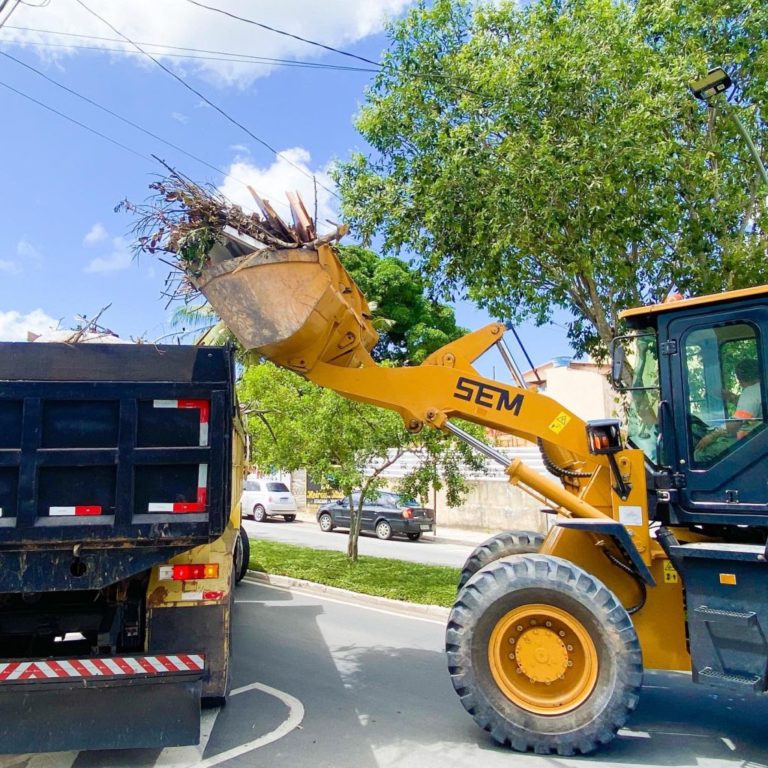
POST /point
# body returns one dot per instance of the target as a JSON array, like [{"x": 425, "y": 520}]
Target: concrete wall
[{"x": 492, "y": 505}]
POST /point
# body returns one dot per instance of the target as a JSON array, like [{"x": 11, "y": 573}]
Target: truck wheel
[
  {"x": 289, "y": 518},
  {"x": 543, "y": 655},
  {"x": 383, "y": 530},
  {"x": 242, "y": 555},
  {"x": 502, "y": 545},
  {"x": 325, "y": 521},
  {"x": 259, "y": 514}
]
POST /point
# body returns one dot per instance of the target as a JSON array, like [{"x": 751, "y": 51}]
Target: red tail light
[
  {"x": 407, "y": 513},
  {"x": 190, "y": 572}
]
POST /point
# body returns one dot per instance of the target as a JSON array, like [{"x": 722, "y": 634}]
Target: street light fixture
[{"x": 715, "y": 82}]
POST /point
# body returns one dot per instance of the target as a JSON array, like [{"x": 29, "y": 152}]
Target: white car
[{"x": 263, "y": 499}]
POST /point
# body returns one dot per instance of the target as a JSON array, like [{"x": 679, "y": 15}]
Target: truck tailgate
[{"x": 113, "y": 457}]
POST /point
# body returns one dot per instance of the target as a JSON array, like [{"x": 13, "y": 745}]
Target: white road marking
[
  {"x": 728, "y": 743},
  {"x": 385, "y": 611},
  {"x": 295, "y": 716}
]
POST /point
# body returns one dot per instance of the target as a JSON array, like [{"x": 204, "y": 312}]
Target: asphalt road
[
  {"x": 320, "y": 683},
  {"x": 425, "y": 550}
]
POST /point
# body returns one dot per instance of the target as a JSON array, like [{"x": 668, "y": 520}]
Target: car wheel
[
  {"x": 383, "y": 530},
  {"x": 325, "y": 521},
  {"x": 259, "y": 514},
  {"x": 415, "y": 536},
  {"x": 289, "y": 518}
]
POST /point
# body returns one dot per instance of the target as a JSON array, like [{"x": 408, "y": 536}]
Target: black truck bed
[{"x": 113, "y": 457}]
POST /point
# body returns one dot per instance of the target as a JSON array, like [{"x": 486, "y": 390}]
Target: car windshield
[{"x": 277, "y": 487}]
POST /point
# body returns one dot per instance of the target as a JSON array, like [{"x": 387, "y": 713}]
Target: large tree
[{"x": 552, "y": 155}]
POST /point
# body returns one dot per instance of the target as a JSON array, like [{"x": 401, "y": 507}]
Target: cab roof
[{"x": 675, "y": 305}]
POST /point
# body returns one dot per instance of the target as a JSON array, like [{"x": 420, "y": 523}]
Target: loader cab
[{"x": 708, "y": 408}]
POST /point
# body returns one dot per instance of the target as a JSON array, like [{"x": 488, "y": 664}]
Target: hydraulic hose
[{"x": 556, "y": 470}]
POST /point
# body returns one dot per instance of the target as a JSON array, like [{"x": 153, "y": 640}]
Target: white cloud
[
  {"x": 28, "y": 253},
  {"x": 96, "y": 234},
  {"x": 118, "y": 259},
  {"x": 14, "y": 325},
  {"x": 338, "y": 23},
  {"x": 180, "y": 117},
  {"x": 9, "y": 267},
  {"x": 291, "y": 172}
]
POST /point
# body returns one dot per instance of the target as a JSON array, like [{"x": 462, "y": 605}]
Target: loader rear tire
[
  {"x": 543, "y": 656},
  {"x": 498, "y": 546}
]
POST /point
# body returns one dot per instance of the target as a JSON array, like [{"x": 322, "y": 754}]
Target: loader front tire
[
  {"x": 501, "y": 545},
  {"x": 543, "y": 656}
]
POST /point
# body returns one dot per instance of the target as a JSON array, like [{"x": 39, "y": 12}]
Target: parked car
[
  {"x": 386, "y": 514},
  {"x": 263, "y": 499}
]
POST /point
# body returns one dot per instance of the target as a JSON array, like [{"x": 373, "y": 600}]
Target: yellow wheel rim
[{"x": 543, "y": 659}]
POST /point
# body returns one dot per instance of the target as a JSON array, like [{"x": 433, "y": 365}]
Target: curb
[
  {"x": 434, "y": 612},
  {"x": 435, "y": 538}
]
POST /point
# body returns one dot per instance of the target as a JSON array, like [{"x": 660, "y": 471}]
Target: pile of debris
[{"x": 197, "y": 226}]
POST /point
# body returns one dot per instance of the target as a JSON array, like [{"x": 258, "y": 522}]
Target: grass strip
[{"x": 383, "y": 577}]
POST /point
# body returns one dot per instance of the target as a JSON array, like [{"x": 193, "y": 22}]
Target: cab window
[
  {"x": 725, "y": 390},
  {"x": 636, "y": 374}
]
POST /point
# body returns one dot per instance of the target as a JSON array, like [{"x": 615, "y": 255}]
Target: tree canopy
[
  {"x": 410, "y": 323},
  {"x": 552, "y": 155}
]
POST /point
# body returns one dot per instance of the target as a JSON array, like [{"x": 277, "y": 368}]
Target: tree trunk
[{"x": 355, "y": 517}]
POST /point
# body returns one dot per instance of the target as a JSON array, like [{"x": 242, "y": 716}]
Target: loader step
[
  {"x": 710, "y": 676},
  {"x": 719, "y": 616}
]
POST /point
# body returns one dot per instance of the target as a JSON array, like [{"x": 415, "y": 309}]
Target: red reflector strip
[
  {"x": 202, "y": 405},
  {"x": 186, "y": 506},
  {"x": 101, "y": 667},
  {"x": 85, "y": 509},
  {"x": 213, "y": 595}
]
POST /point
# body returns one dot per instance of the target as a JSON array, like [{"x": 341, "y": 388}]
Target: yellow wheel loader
[{"x": 656, "y": 557}]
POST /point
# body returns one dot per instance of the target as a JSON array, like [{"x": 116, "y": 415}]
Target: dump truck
[
  {"x": 656, "y": 554},
  {"x": 120, "y": 542}
]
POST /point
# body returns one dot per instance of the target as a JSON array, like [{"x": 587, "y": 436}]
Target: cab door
[{"x": 719, "y": 449}]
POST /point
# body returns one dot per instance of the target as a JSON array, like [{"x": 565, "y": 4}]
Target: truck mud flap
[{"x": 85, "y": 704}]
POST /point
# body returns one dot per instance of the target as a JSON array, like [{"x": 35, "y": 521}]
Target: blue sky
[{"x": 64, "y": 252}]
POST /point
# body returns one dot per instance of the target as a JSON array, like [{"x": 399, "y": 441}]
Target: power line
[
  {"x": 207, "y": 100},
  {"x": 3, "y": 5},
  {"x": 229, "y": 55},
  {"x": 113, "y": 114},
  {"x": 76, "y": 122},
  {"x": 429, "y": 76},
  {"x": 283, "y": 32},
  {"x": 253, "y": 61},
  {"x": 137, "y": 126}
]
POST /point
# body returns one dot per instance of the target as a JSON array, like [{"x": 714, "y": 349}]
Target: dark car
[{"x": 386, "y": 514}]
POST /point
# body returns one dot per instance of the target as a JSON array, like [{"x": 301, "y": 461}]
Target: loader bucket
[{"x": 296, "y": 307}]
